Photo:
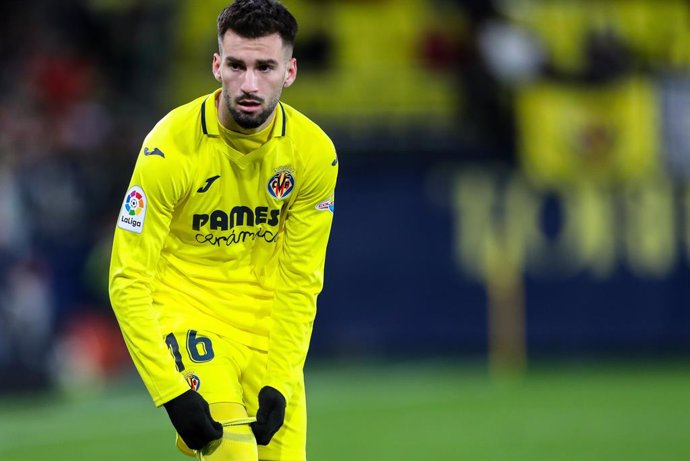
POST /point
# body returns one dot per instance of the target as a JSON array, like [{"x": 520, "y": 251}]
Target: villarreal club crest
[
  {"x": 282, "y": 183},
  {"x": 194, "y": 381}
]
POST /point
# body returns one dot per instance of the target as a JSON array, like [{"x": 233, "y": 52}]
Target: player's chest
[
  {"x": 244, "y": 193},
  {"x": 266, "y": 177}
]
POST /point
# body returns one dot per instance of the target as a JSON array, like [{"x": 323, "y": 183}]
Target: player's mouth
[{"x": 249, "y": 105}]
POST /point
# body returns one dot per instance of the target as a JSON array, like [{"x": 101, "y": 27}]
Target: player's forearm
[
  {"x": 131, "y": 301},
  {"x": 292, "y": 319},
  {"x": 288, "y": 345}
]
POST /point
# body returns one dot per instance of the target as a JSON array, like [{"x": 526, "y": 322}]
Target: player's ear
[
  {"x": 290, "y": 72},
  {"x": 215, "y": 67}
]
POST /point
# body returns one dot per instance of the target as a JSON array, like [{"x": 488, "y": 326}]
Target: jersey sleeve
[
  {"x": 300, "y": 274},
  {"x": 156, "y": 186}
]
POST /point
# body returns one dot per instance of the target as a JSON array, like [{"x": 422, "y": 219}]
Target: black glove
[
  {"x": 190, "y": 415},
  {"x": 270, "y": 416}
]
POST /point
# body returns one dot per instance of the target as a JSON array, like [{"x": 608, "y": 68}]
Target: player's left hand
[{"x": 270, "y": 416}]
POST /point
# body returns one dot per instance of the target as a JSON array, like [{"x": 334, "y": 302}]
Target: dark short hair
[{"x": 258, "y": 18}]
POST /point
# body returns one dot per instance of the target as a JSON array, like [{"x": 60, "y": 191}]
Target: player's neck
[{"x": 243, "y": 142}]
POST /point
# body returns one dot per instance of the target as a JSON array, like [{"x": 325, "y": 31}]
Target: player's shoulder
[
  {"x": 179, "y": 132},
  {"x": 306, "y": 135}
]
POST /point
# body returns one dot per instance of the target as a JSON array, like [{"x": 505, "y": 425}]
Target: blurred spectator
[
  {"x": 501, "y": 56},
  {"x": 26, "y": 317},
  {"x": 14, "y": 240},
  {"x": 70, "y": 78}
]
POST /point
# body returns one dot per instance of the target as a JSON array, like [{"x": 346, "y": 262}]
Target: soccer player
[{"x": 220, "y": 245}]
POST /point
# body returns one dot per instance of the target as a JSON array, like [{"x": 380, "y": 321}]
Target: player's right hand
[{"x": 191, "y": 417}]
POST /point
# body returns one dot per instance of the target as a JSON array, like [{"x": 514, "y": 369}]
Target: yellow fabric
[
  {"x": 605, "y": 134},
  {"x": 231, "y": 381},
  {"x": 655, "y": 31},
  {"x": 227, "y": 243},
  {"x": 237, "y": 444},
  {"x": 236, "y": 429}
]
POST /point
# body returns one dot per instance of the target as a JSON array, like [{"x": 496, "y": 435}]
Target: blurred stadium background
[{"x": 508, "y": 275}]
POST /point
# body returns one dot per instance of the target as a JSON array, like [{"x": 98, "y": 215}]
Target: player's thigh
[
  {"x": 210, "y": 365},
  {"x": 289, "y": 443}
]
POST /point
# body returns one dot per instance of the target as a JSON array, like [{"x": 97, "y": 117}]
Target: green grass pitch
[{"x": 419, "y": 412}]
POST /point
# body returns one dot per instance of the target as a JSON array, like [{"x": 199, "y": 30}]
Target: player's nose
[{"x": 249, "y": 83}]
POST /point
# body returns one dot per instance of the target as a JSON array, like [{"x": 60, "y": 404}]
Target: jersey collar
[{"x": 209, "y": 117}]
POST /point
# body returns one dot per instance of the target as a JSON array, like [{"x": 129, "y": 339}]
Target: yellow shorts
[{"x": 222, "y": 370}]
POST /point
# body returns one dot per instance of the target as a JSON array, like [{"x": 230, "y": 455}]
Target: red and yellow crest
[
  {"x": 282, "y": 183},
  {"x": 194, "y": 381}
]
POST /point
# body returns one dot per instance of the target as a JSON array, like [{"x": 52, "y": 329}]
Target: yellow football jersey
[{"x": 211, "y": 239}]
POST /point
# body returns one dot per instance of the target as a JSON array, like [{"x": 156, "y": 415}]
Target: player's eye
[
  {"x": 235, "y": 66},
  {"x": 265, "y": 68}
]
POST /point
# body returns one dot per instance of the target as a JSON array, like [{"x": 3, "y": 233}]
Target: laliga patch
[
  {"x": 282, "y": 183},
  {"x": 133, "y": 210},
  {"x": 326, "y": 205},
  {"x": 194, "y": 381}
]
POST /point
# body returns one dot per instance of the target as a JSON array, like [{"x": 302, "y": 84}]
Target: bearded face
[{"x": 253, "y": 73}]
